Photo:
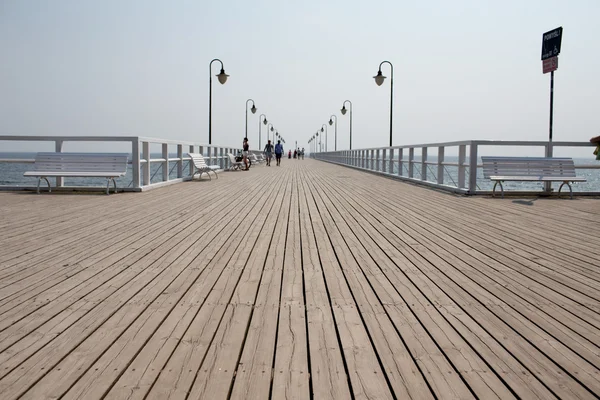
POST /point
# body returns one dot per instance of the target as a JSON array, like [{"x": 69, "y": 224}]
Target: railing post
[
  {"x": 391, "y": 161},
  {"x": 58, "y": 145},
  {"x": 363, "y": 157},
  {"x": 462, "y": 156},
  {"x": 180, "y": 161},
  {"x": 135, "y": 163},
  {"x": 216, "y": 154},
  {"x": 424, "y": 164},
  {"x": 191, "y": 165},
  {"x": 146, "y": 155},
  {"x": 440, "y": 165},
  {"x": 379, "y": 166},
  {"x": 473, "y": 168},
  {"x": 411, "y": 159},
  {"x": 221, "y": 159},
  {"x": 400, "y": 162},
  {"x": 165, "y": 164},
  {"x": 549, "y": 152}
]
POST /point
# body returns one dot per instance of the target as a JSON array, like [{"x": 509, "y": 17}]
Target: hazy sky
[{"x": 462, "y": 69}]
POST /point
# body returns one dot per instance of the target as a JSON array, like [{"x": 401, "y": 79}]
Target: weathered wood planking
[{"x": 296, "y": 280}]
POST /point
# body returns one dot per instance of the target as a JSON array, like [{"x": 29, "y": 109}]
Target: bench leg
[
  {"x": 47, "y": 181},
  {"x": 570, "y": 189},
  {"x": 501, "y": 189}
]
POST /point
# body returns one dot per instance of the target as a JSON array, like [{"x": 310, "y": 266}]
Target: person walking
[
  {"x": 269, "y": 152},
  {"x": 290, "y": 154},
  {"x": 245, "y": 148},
  {"x": 278, "y": 152},
  {"x": 302, "y": 153}
]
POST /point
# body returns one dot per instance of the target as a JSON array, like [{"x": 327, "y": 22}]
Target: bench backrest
[
  {"x": 81, "y": 162},
  {"x": 528, "y": 166},
  {"x": 198, "y": 160}
]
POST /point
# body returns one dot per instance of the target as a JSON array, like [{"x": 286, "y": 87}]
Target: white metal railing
[
  {"x": 143, "y": 174},
  {"x": 429, "y": 164}
]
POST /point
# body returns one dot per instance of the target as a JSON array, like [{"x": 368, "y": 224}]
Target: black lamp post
[
  {"x": 264, "y": 121},
  {"x": 222, "y": 76},
  {"x": 379, "y": 78},
  {"x": 324, "y": 125},
  {"x": 253, "y": 109},
  {"x": 335, "y": 137},
  {"x": 343, "y": 110}
]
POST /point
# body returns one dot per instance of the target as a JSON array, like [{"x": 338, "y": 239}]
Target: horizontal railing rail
[
  {"x": 432, "y": 164},
  {"x": 147, "y": 170}
]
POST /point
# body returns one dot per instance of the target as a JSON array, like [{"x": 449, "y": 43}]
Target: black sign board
[{"x": 551, "y": 43}]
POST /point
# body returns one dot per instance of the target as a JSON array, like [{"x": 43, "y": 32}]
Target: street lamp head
[
  {"x": 343, "y": 110},
  {"x": 265, "y": 121},
  {"x": 379, "y": 78},
  {"x": 330, "y": 122},
  {"x": 272, "y": 129},
  {"x": 317, "y": 134},
  {"x": 321, "y": 129},
  {"x": 222, "y": 76},
  {"x": 253, "y": 109}
]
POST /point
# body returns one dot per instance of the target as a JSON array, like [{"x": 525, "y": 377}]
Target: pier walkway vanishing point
[{"x": 306, "y": 280}]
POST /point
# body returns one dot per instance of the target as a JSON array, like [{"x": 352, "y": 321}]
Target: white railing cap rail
[{"x": 477, "y": 143}]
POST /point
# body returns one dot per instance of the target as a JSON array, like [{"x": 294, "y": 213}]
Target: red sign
[{"x": 550, "y": 64}]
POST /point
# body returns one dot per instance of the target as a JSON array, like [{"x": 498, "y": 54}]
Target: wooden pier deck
[{"x": 305, "y": 281}]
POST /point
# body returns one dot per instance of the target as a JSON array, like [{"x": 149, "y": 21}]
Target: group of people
[{"x": 269, "y": 150}]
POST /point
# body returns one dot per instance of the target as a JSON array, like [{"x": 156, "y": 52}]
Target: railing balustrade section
[
  {"x": 153, "y": 162},
  {"x": 456, "y": 166}
]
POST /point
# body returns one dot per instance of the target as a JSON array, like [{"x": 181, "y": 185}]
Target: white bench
[
  {"x": 84, "y": 165},
  {"x": 201, "y": 167},
  {"x": 235, "y": 165},
  {"x": 530, "y": 169}
]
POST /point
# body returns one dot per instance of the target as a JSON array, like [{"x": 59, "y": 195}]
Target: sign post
[{"x": 551, "y": 42}]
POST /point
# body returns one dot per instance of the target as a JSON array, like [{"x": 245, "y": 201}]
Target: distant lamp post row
[
  {"x": 222, "y": 76},
  {"x": 379, "y": 78}
]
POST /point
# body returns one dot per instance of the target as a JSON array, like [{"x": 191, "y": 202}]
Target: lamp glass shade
[
  {"x": 379, "y": 78},
  {"x": 222, "y": 76},
  {"x": 271, "y": 129},
  {"x": 343, "y": 110},
  {"x": 317, "y": 134},
  {"x": 330, "y": 121},
  {"x": 265, "y": 121},
  {"x": 322, "y": 129},
  {"x": 253, "y": 109}
]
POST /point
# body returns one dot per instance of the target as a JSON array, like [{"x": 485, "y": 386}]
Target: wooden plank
[{"x": 291, "y": 370}]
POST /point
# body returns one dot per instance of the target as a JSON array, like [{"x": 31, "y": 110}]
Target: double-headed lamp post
[
  {"x": 335, "y": 137},
  {"x": 343, "y": 110},
  {"x": 379, "y": 78},
  {"x": 253, "y": 109},
  {"x": 222, "y": 76},
  {"x": 264, "y": 121},
  {"x": 324, "y": 125}
]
